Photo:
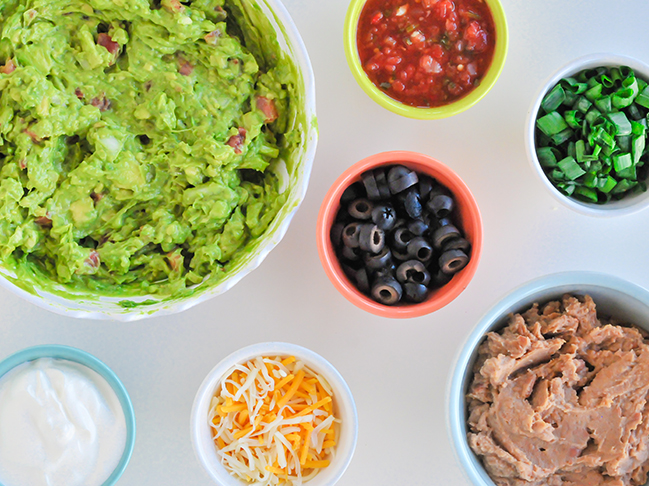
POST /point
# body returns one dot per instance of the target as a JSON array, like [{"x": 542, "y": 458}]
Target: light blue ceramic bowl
[
  {"x": 613, "y": 297},
  {"x": 78, "y": 356}
]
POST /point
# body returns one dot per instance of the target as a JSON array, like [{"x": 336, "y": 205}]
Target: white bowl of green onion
[{"x": 587, "y": 135}]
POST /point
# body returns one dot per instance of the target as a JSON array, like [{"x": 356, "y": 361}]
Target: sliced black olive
[
  {"x": 401, "y": 237},
  {"x": 372, "y": 189},
  {"x": 362, "y": 281},
  {"x": 412, "y": 204},
  {"x": 440, "y": 278},
  {"x": 428, "y": 219},
  {"x": 360, "y": 208},
  {"x": 349, "y": 271},
  {"x": 441, "y": 205},
  {"x": 388, "y": 271},
  {"x": 415, "y": 292},
  {"x": 382, "y": 183},
  {"x": 343, "y": 216},
  {"x": 413, "y": 271},
  {"x": 420, "y": 249},
  {"x": 452, "y": 261},
  {"x": 417, "y": 227},
  {"x": 458, "y": 244},
  {"x": 352, "y": 192},
  {"x": 350, "y": 254},
  {"x": 381, "y": 260},
  {"x": 336, "y": 234},
  {"x": 444, "y": 222},
  {"x": 400, "y": 255},
  {"x": 384, "y": 216},
  {"x": 371, "y": 238},
  {"x": 444, "y": 234},
  {"x": 386, "y": 291},
  {"x": 401, "y": 178},
  {"x": 426, "y": 185},
  {"x": 400, "y": 223},
  {"x": 351, "y": 233}
]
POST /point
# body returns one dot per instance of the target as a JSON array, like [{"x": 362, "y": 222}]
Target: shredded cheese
[{"x": 272, "y": 422}]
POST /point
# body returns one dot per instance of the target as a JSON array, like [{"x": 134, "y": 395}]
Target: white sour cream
[{"x": 61, "y": 424}]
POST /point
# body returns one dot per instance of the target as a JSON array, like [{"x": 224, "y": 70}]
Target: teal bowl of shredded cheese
[{"x": 274, "y": 413}]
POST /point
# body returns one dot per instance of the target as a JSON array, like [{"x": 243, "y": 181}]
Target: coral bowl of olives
[{"x": 399, "y": 234}]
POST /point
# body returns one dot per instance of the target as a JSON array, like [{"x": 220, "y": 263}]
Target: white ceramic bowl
[
  {"x": 612, "y": 295},
  {"x": 89, "y": 306},
  {"x": 629, "y": 204},
  {"x": 344, "y": 408}
]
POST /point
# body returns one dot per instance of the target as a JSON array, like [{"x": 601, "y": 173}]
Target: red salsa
[{"x": 426, "y": 53}]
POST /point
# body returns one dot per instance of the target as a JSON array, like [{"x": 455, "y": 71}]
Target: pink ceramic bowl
[{"x": 467, "y": 215}]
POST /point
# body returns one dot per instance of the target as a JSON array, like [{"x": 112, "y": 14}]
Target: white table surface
[{"x": 397, "y": 370}]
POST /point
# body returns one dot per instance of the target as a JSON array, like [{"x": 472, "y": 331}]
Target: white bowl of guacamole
[{"x": 152, "y": 152}]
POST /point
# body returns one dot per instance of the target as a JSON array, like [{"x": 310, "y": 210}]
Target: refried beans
[{"x": 559, "y": 398}]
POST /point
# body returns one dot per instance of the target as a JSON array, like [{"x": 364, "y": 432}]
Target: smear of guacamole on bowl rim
[{"x": 137, "y": 140}]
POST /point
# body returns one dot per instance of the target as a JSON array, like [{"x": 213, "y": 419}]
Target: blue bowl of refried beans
[{"x": 551, "y": 387}]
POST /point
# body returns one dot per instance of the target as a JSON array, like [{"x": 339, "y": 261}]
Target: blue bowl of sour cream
[{"x": 67, "y": 419}]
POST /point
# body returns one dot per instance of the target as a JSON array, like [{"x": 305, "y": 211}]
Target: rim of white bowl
[
  {"x": 108, "y": 308},
  {"x": 517, "y": 299},
  {"x": 203, "y": 444},
  {"x": 628, "y": 205}
]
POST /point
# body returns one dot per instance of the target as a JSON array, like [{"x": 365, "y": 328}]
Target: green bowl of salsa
[{"x": 426, "y": 59}]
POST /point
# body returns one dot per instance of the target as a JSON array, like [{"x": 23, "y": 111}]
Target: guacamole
[{"x": 137, "y": 139}]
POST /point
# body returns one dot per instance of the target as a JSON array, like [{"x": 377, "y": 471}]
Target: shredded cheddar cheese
[{"x": 272, "y": 422}]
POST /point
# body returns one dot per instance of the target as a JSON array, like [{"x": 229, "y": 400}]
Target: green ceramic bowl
[{"x": 464, "y": 103}]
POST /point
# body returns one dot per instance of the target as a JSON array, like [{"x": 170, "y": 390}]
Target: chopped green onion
[
  {"x": 590, "y": 180},
  {"x": 643, "y": 98},
  {"x": 622, "y": 161},
  {"x": 547, "y": 156},
  {"x": 621, "y": 122},
  {"x": 634, "y": 112},
  {"x": 581, "y": 153},
  {"x": 624, "y": 143},
  {"x": 623, "y": 186},
  {"x": 601, "y": 137},
  {"x": 554, "y": 99},
  {"x": 594, "y": 93},
  {"x": 623, "y": 98},
  {"x": 573, "y": 118},
  {"x": 638, "y": 128},
  {"x": 551, "y": 124},
  {"x": 606, "y": 81},
  {"x": 637, "y": 147},
  {"x": 606, "y": 185},
  {"x": 570, "y": 168},
  {"x": 582, "y": 104},
  {"x": 557, "y": 175},
  {"x": 574, "y": 86},
  {"x": 567, "y": 187},
  {"x": 593, "y": 115},
  {"x": 571, "y": 98},
  {"x": 562, "y": 136},
  {"x": 628, "y": 173},
  {"x": 604, "y": 104},
  {"x": 592, "y": 131},
  {"x": 586, "y": 192}
]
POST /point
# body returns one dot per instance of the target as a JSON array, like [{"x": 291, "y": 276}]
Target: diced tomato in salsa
[{"x": 426, "y": 53}]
